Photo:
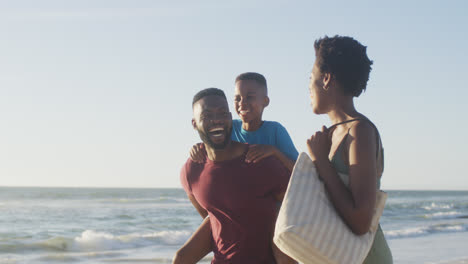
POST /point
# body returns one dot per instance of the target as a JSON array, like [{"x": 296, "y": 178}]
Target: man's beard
[{"x": 207, "y": 140}]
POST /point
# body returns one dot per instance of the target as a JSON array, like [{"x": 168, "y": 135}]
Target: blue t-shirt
[{"x": 270, "y": 133}]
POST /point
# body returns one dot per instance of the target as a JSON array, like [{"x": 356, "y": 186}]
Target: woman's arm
[{"x": 356, "y": 204}]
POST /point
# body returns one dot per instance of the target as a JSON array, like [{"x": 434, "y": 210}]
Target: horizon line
[{"x": 172, "y": 187}]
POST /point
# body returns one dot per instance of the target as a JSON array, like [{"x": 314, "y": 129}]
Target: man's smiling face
[{"x": 213, "y": 121}]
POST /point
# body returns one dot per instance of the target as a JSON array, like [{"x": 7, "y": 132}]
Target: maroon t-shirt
[{"x": 239, "y": 198}]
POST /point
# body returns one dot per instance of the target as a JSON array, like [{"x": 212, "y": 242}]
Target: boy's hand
[
  {"x": 259, "y": 152},
  {"x": 198, "y": 153}
]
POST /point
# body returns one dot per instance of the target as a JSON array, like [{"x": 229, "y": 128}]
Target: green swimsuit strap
[
  {"x": 379, "y": 150},
  {"x": 347, "y": 121},
  {"x": 379, "y": 141}
]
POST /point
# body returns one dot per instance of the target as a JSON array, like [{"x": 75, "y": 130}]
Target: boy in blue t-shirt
[{"x": 267, "y": 138}]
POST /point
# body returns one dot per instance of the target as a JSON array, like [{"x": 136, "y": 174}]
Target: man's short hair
[
  {"x": 253, "y": 76},
  {"x": 207, "y": 92},
  {"x": 346, "y": 60}
]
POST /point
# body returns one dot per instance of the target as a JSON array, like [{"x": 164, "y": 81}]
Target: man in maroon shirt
[{"x": 240, "y": 198}]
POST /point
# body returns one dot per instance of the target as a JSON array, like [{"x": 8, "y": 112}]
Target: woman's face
[{"x": 318, "y": 95}]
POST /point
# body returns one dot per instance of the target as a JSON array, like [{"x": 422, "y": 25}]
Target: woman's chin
[{"x": 317, "y": 111}]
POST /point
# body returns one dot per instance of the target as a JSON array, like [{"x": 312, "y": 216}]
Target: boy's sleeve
[{"x": 284, "y": 143}]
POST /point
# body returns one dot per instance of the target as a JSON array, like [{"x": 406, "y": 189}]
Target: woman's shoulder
[
  {"x": 362, "y": 128},
  {"x": 365, "y": 133}
]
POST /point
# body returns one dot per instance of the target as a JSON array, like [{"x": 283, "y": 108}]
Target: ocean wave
[
  {"x": 77, "y": 256},
  {"x": 458, "y": 260},
  {"x": 8, "y": 260},
  {"x": 443, "y": 215},
  {"x": 426, "y": 230},
  {"x": 432, "y": 204},
  {"x": 437, "y": 206},
  {"x": 94, "y": 241},
  {"x": 91, "y": 240},
  {"x": 424, "y": 206}
]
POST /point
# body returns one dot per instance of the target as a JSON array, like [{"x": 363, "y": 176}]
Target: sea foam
[
  {"x": 91, "y": 241},
  {"x": 426, "y": 230},
  {"x": 436, "y": 206},
  {"x": 443, "y": 215}
]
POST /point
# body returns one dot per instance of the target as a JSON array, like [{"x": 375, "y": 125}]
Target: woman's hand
[{"x": 319, "y": 145}]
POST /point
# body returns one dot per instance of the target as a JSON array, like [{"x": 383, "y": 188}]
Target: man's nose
[{"x": 217, "y": 118}]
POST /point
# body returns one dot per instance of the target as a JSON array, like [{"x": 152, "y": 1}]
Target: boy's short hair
[
  {"x": 207, "y": 92},
  {"x": 253, "y": 76},
  {"x": 346, "y": 60}
]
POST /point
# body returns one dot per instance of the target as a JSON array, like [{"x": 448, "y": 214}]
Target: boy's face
[{"x": 249, "y": 100}]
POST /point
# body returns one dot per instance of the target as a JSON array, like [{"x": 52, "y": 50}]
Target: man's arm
[
  {"x": 281, "y": 257},
  {"x": 279, "y": 196},
  {"x": 198, "y": 245},
  {"x": 203, "y": 213},
  {"x": 288, "y": 163},
  {"x": 187, "y": 170}
]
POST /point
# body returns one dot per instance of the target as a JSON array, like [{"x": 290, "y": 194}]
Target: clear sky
[{"x": 98, "y": 93}]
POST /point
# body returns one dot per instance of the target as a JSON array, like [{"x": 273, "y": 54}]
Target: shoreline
[
  {"x": 457, "y": 261},
  {"x": 447, "y": 248}
]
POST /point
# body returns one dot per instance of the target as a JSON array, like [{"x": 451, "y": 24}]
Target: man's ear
[
  {"x": 266, "y": 101},
  {"x": 194, "y": 124}
]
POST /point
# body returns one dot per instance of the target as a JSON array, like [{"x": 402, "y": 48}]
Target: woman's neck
[{"x": 343, "y": 110}]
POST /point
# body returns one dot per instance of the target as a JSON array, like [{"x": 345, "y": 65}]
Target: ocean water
[{"x": 94, "y": 225}]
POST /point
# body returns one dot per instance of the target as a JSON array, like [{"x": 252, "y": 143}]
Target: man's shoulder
[
  {"x": 270, "y": 162},
  {"x": 191, "y": 167},
  {"x": 188, "y": 163},
  {"x": 269, "y": 168}
]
